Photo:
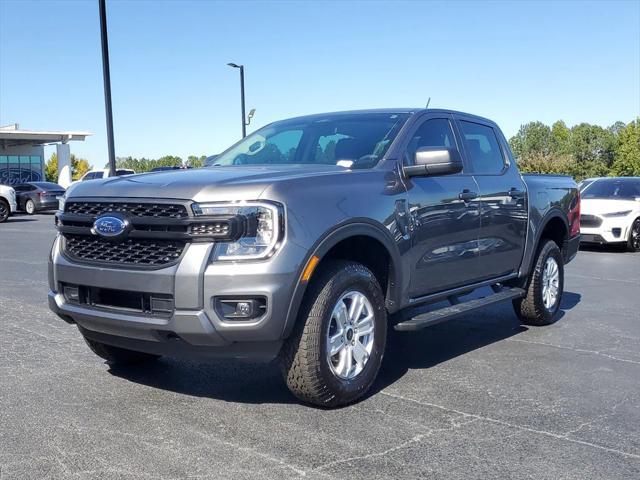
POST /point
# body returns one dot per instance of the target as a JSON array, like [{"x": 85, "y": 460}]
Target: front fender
[{"x": 355, "y": 227}]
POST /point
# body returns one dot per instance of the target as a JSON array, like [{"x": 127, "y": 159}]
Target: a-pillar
[{"x": 64, "y": 164}]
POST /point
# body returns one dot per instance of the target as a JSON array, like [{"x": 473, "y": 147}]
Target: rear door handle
[
  {"x": 467, "y": 195},
  {"x": 515, "y": 193}
]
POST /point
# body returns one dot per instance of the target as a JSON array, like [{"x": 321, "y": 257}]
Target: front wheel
[
  {"x": 335, "y": 352},
  {"x": 4, "y": 211},
  {"x": 633, "y": 242},
  {"x": 544, "y": 290},
  {"x": 30, "y": 207}
]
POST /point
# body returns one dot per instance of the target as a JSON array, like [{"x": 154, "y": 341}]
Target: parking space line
[
  {"x": 562, "y": 437},
  {"x": 603, "y": 279},
  {"x": 579, "y": 350}
]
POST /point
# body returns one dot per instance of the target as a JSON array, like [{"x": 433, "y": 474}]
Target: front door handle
[
  {"x": 467, "y": 195},
  {"x": 515, "y": 193}
]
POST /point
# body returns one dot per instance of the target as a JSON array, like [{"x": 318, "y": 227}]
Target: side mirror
[{"x": 434, "y": 161}]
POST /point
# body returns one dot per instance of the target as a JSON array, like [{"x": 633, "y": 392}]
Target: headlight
[
  {"x": 263, "y": 229},
  {"x": 61, "y": 201},
  {"x": 617, "y": 214}
]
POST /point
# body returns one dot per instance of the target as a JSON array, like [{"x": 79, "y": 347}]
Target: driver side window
[{"x": 435, "y": 132}]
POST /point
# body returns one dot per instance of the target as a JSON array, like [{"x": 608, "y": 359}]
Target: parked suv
[
  {"x": 308, "y": 240},
  {"x": 611, "y": 212},
  {"x": 7, "y": 202}
]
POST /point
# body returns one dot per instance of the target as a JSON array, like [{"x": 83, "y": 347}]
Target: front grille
[
  {"x": 590, "y": 221},
  {"x": 132, "y": 251},
  {"x": 154, "y": 210}
]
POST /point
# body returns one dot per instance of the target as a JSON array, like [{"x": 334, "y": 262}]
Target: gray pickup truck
[{"x": 309, "y": 239}]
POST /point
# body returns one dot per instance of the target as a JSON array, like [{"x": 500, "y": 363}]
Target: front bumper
[
  {"x": 612, "y": 230},
  {"x": 194, "y": 327}
]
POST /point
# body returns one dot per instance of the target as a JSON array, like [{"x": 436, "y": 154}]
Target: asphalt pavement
[{"x": 479, "y": 397}]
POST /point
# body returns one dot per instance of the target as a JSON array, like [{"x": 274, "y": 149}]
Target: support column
[{"x": 64, "y": 164}]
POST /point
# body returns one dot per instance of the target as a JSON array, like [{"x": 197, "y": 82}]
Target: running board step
[{"x": 447, "y": 313}]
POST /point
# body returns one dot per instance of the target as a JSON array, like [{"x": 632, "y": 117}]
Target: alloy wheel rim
[
  {"x": 3, "y": 211},
  {"x": 550, "y": 283},
  {"x": 30, "y": 207},
  {"x": 350, "y": 336}
]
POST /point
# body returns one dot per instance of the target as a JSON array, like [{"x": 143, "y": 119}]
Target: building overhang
[{"x": 11, "y": 136}]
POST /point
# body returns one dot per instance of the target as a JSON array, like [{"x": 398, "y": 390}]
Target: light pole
[
  {"x": 107, "y": 87},
  {"x": 244, "y": 124}
]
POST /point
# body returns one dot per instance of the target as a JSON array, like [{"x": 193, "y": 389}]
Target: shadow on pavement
[
  {"x": 13, "y": 219},
  {"x": 605, "y": 247},
  {"x": 234, "y": 381}
]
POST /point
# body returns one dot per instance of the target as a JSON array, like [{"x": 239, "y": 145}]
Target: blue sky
[{"x": 173, "y": 93}]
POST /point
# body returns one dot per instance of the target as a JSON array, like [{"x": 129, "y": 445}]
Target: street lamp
[
  {"x": 244, "y": 123},
  {"x": 107, "y": 86}
]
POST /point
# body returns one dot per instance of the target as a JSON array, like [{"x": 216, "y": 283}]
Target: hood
[
  {"x": 202, "y": 184},
  {"x": 598, "y": 206}
]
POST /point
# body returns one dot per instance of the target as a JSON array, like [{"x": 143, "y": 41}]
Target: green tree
[
  {"x": 79, "y": 166},
  {"x": 51, "y": 169},
  {"x": 141, "y": 165},
  {"x": 196, "y": 162},
  {"x": 533, "y": 138},
  {"x": 627, "y": 155},
  {"x": 591, "y": 143},
  {"x": 559, "y": 141}
]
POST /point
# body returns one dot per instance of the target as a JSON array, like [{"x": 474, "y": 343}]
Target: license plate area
[{"x": 146, "y": 303}]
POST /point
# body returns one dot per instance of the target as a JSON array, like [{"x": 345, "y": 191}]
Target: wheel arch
[
  {"x": 337, "y": 241},
  {"x": 553, "y": 226}
]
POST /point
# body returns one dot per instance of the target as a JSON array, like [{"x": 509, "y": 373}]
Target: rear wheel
[
  {"x": 633, "y": 242},
  {"x": 333, "y": 356},
  {"x": 30, "y": 207},
  {"x": 117, "y": 355},
  {"x": 544, "y": 289},
  {"x": 4, "y": 210}
]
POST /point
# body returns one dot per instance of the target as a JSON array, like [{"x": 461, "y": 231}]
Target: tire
[
  {"x": 531, "y": 309},
  {"x": 633, "y": 242},
  {"x": 5, "y": 211},
  {"x": 311, "y": 374},
  {"x": 30, "y": 207},
  {"x": 117, "y": 355}
]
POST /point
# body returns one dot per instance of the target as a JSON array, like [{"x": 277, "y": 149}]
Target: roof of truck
[{"x": 392, "y": 111}]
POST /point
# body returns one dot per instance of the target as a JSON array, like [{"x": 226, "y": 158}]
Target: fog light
[
  {"x": 616, "y": 232},
  {"x": 241, "y": 309},
  {"x": 244, "y": 309},
  {"x": 71, "y": 294}
]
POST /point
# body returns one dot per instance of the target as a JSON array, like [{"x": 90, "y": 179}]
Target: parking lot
[{"x": 479, "y": 397}]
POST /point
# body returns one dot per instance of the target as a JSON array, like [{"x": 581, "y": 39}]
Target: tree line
[
  {"x": 581, "y": 151},
  {"x": 141, "y": 165}
]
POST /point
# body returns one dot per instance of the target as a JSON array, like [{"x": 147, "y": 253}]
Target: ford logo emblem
[{"x": 110, "y": 226}]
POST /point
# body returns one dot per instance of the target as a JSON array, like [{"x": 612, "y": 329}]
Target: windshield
[
  {"x": 584, "y": 184},
  {"x": 348, "y": 140},
  {"x": 616, "y": 188}
]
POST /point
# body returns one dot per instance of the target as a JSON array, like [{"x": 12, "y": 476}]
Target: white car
[
  {"x": 8, "y": 203},
  {"x": 99, "y": 173},
  {"x": 610, "y": 212}
]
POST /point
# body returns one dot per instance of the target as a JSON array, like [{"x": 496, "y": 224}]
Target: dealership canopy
[{"x": 22, "y": 153}]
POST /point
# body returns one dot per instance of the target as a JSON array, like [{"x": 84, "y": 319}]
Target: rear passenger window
[
  {"x": 432, "y": 133},
  {"x": 482, "y": 147}
]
